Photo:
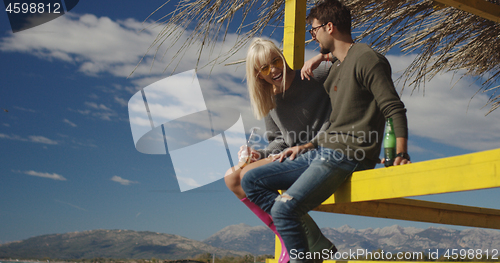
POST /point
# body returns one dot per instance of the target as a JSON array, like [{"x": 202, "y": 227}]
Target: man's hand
[
  {"x": 401, "y": 147},
  {"x": 293, "y": 152},
  {"x": 401, "y": 161},
  {"x": 312, "y": 64}
]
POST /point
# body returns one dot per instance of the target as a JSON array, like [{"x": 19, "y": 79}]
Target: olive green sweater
[{"x": 362, "y": 95}]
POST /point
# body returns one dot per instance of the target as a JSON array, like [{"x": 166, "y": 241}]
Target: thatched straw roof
[{"x": 445, "y": 39}]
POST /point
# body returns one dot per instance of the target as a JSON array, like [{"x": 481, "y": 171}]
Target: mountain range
[
  {"x": 119, "y": 244},
  {"x": 392, "y": 239},
  {"x": 239, "y": 240}
]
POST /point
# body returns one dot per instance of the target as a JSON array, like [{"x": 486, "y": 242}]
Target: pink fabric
[
  {"x": 268, "y": 220},
  {"x": 265, "y": 217}
]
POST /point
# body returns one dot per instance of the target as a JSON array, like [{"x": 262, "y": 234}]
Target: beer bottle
[{"x": 389, "y": 143}]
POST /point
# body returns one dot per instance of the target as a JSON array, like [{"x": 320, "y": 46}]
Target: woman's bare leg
[
  {"x": 232, "y": 179},
  {"x": 233, "y": 176}
]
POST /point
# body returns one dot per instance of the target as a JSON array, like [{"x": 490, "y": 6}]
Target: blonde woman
[{"x": 294, "y": 110}]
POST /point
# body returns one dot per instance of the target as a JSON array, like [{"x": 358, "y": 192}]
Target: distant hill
[
  {"x": 396, "y": 238},
  {"x": 260, "y": 240},
  {"x": 236, "y": 239},
  {"x": 110, "y": 244}
]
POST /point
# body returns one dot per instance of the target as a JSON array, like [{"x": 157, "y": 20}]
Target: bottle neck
[{"x": 389, "y": 127}]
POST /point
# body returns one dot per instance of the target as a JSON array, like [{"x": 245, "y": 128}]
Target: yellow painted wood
[
  {"x": 459, "y": 173},
  {"x": 379, "y": 192},
  {"x": 480, "y": 8},
  {"x": 272, "y": 260},
  {"x": 421, "y": 211},
  {"x": 438, "y": 6},
  {"x": 294, "y": 33},
  {"x": 277, "y": 247},
  {"x": 394, "y": 255}
]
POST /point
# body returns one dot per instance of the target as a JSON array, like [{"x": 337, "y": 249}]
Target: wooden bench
[{"x": 382, "y": 192}]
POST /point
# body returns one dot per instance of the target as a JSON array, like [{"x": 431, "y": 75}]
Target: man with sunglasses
[{"x": 363, "y": 96}]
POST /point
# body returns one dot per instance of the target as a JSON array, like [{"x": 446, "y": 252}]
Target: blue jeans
[{"x": 309, "y": 179}]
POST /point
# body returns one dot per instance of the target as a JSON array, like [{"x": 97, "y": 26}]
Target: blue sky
[{"x": 68, "y": 161}]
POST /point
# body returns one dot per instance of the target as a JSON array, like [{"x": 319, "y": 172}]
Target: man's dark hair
[{"x": 332, "y": 11}]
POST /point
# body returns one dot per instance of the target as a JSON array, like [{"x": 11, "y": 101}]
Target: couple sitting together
[{"x": 323, "y": 124}]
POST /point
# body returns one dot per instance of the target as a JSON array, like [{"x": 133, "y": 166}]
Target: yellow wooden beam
[
  {"x": 394, "y": 255},
  {"x": 294, "y": 33},
  {"x": 459, "y": 173},
  {"x": 365, "y": 193},
  {"x": 421, "y": 211},
  {"x": 480, "y": 8},
  {"x": 414, "y": 254}
]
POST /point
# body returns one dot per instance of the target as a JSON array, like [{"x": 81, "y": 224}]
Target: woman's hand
[{"x": 243, "y": 153}]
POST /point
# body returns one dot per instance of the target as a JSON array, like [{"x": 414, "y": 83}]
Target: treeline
[
  {"x": 203, "y": 258},
  {"x": 207, "y": 258}
]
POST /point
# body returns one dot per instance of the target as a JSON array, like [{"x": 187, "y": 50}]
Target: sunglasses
[{"x": 276, "y": 63}]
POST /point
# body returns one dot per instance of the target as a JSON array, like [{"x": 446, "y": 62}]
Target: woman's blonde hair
[{"x": 261, "y": 52}]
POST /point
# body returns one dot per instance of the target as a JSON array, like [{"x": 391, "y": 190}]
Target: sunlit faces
[
  {"x": 277, "y": 62},
  {"x": 273, "y": 72},
  {"x": 320, "y": 34},
  {"x": 313, "y": 30}
]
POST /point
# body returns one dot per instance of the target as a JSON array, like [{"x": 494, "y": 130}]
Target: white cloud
[
  {"x": 72, "y": 205},
  {"x": 23, "y": 109},
  {"x": 96, "y": 106},
  {"x": 122, "y": 181},
  {"x": 42, "y": 139},
  {"x": 69, "y": 123},
  {"x": 448, "y": 115},
  {"x": 121, "y": 101},
  {"x": 12, "y": 137},
  {"x": 82, "y": 39},
  {"x": 52, "y": 176},
  {"x": 101, "y": 45},
  {"x": 96, "y": 110},
  {"x": 32, "y": 138}
]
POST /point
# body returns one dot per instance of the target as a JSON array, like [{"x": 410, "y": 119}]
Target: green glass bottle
[{"x": 389, "y": 143}]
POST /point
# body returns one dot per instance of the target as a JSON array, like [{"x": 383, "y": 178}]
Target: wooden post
[
  {"x": 295, "y": 33},
  {"x": 480, "y": 8}
]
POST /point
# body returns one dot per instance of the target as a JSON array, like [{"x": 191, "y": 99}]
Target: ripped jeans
[{"x": 310, "y": 179}]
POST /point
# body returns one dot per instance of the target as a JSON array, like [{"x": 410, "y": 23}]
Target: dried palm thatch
[
  {"x": 211, "y": 19},
  {"x": 445, "y": 39}
]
